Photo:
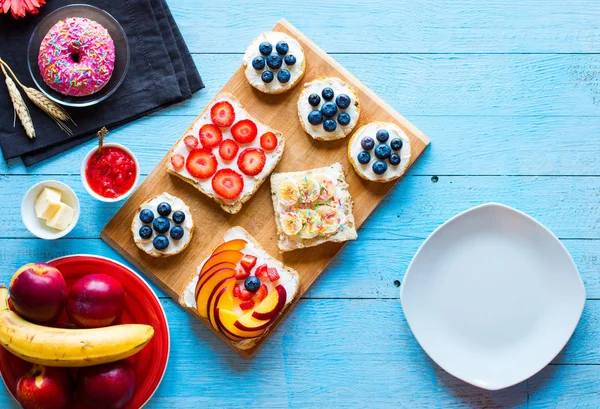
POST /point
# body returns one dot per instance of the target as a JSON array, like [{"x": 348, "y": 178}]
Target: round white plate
[{"x": 492, "y": 296}]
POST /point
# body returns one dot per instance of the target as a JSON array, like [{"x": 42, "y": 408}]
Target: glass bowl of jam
[{"x": 110, "y": 175}]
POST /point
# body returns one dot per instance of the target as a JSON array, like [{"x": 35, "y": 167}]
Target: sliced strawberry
[
  {"x": 227, "y": 183},
  {"x": 241, "y": 273},
  {"x": 191, "y": 141},
  {"x": 237, "y": 291},
  {"x": 222, "y": 114},
  {"x": 261, "y": 271},
  {"x": 248, "y": 261},
  {"x": 247, "y": 305},
  {"x": 252, "y": 161},
  {"x": 210, "y": 136},
  {"x": 272, "y": 274},
  {"x": 201, "y": 163},
  {"x": 228, "y": 149},
  {"x": 177, "y": 161},
  {"x": 261, "y": 293},
  {"x": 244, "y": 131},
  {"x": 268, "y": 141},
  {"x": 245, "y": 295}
]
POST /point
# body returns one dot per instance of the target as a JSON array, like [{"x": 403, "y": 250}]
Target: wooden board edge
[{"x": 358, "y": 83}]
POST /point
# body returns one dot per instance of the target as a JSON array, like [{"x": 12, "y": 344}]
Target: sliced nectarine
[
  {"x": 224, "y": 293},
  {"x": 227, "y": 256},
  {"x": 236, "y": 244},
  {"x": 248, "y": 323},
  {"x": 228, "y": 319},
  {"x": 272, "y": 304},
  {"x": 211, "y": 270},
  {"x": 208, "y": 286}
]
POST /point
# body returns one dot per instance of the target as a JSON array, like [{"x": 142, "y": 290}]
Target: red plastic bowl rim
[{"x": 155, "y": 296}]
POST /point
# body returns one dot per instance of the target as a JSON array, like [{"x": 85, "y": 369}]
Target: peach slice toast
[
  {"x": 240, "y": 290},
  {"x": 226, "y": 153}
]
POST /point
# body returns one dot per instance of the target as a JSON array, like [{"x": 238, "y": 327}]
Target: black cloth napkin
[{"x": 161, "y": 73}]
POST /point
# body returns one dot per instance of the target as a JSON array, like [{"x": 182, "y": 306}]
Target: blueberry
[
  {"x": 382, "y": 151},
  {"x": 329, "y": 109},
  {"x": 252, "y": 284},
  {"x": 283, "y": 76},
  {"x": 315, "y": 117},
  {"x": 364, "y": 157},
  {"x": 314, "y": 99},
  {"x": 178, "y": 217},
  {"x": 343, "y": 118},
  {"x": 290, "y": 59},
  {"x": 258, "y": 63},
  {"x": 282, "y": 47},
  {"x": 161, "y": 225},
  {"x": 265, "y": 48},
  {"x": 145, "y": 232},
  {"x": 160, "y": 242},
  {"x": 382, "y": 135},
  {"x": 146, "y": 216},
  {"x": 367, "y": 143},
  {"x": 343, "y": 101},
  {"x": 164, "y": 209},
  {"x": 329, "y": 125},
  {"x": 176, "y": 233},
  {"x": 327, "y": 94},
  {"x": 396, "y": 144},
  {"x": 266, "y": 76},
  {"x": 274, "y": 61},
  {"x": 379, "y": 167},
  {"x": 394, "y": 159}
]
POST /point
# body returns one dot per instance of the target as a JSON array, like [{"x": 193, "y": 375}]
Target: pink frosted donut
[{"x": 77, "y": 57}]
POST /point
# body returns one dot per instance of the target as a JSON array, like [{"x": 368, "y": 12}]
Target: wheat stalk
[
  {"x": 19, "y": 105},
  {"x": 54, "y": 111}
]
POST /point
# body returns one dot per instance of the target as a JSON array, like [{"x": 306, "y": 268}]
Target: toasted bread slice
[
  {"x": 251, "y": 183},
  {"x": 289, "y": 279},
  {"x": 340, "y": 200}
]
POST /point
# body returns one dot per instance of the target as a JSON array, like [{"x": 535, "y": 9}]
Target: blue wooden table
[{"x": 508, "y": 93}]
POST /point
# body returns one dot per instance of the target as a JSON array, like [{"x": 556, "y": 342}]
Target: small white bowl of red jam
[{"x": 111, "y": 174}]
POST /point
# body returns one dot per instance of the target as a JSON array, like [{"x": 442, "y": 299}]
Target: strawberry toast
[
  {"x": 225, "y": 153},
  {"x": 240, "y": 290}
]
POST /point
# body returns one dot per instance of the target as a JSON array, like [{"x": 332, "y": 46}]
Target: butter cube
[
  {"x": 63, "y": 217},
  {"x": 47, "y": 203}
]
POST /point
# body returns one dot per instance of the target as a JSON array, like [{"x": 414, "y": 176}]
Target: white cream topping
[
  {"x": 289, "y": 281},
  {"x": 249, "y": 181},
  {"x": 338, "y": 87},
  {"x": 370, "y": 130},
  {"x": 174, "y": 245},
  {"x": 254, "y": 76}
]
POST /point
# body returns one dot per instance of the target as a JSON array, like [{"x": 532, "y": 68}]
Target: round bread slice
[
  {"x": 365, "y": 171},
  {"x": 304, "y": 108},
  {"x": 175, "y": 246},
  {"x": 296, "y": 70}
]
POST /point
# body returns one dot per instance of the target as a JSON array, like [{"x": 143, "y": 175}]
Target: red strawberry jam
[{"x": 112, "y": 173}]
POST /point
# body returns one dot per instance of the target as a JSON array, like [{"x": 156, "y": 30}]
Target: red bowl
[{"x": 141, "y": 307}]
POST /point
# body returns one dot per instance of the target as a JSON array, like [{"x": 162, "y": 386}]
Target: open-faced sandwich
[
  {"x": 225, "y": 153},
  {"x": 240, "y": 290}
]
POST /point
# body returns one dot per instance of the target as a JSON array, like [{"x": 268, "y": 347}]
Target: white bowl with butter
[{"x": 50, "y": 210}]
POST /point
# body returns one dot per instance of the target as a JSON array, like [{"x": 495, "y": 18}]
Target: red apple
[
  {"x": 38, "y": 293},
  {"x": 45, "y": 388},
  {"x": 95, "y": 300},
  {"x": 106, "y": 386}
]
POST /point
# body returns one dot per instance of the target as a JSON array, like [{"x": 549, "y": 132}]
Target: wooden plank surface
[
  {"x": 473, "y": 76},
  {"x": 301, "y": 153}
]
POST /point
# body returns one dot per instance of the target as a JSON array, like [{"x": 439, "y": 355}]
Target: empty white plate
[{"x": 492, "y": 296}]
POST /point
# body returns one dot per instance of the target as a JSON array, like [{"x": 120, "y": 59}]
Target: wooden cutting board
[{"x": 301, "y": 152}]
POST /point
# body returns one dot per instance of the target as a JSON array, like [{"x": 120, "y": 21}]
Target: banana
[
  {"x": 312, "y": 224},
  {"x": 330, "y": 219},
  {"x": 68, "y": 347},
  {"x": 288, "y": 192},
  {"x": 327, "y": 186},
  {"x": 309, "y": 189},
  {"x": 291, "y": 223}
]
